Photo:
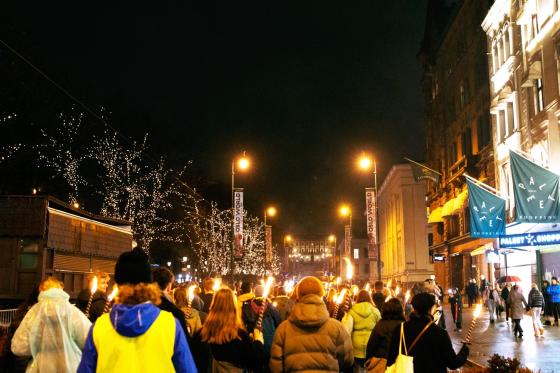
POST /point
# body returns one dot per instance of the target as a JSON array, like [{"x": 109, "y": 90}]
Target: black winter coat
[
  {"x": 433, "y": 352},
  {"x": 97, "y": 303},
  {"x": 535, "y": 299},
  {"x": 380, "y": 338},
  {"x": 242, "y": 352},
  {"x": 169, "y": 306},
  {"x": 456, "y": 303}
]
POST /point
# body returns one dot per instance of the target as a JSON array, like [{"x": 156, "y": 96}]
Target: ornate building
[
  {"x": 456, "y": 93},
  {"x": 523, "y": 38}
]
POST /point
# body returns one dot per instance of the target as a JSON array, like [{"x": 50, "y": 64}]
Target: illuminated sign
[
  {"x": 530, "y": 239},
  {"x": 439, "y": 258}
]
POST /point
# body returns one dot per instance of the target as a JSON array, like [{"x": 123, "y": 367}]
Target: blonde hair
[
  {"x": 139, "y": 293},
  {"x": 223, "y": 322},
  {"x": 49, "y": 283}
]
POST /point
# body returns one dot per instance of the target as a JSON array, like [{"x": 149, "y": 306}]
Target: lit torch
[
  {"x": 190, "y": 297},
  {"x": 407, "y": 297},
  {"x": 217, "y": 285},
  {"x": 110, "y": 299},
  {"x": 92, "y": 290},
  {"x": 266, "y": 291},
  {"x": 338, "y": 301},
  {"x": 476, "y": 314},
  {"x": 367, "y": 287}
]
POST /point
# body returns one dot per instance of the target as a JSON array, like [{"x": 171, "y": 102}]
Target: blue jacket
[
  {"x": 554, "y": 292},
  {"x": 157, "y": 340}
]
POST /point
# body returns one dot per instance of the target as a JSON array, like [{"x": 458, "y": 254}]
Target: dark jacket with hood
[
  {"x": 433, "y": 352},
  {"x": 311, "y": 341},
  {"x": 169, "y": 306},
  {"x": 136, "y": 338},
  {"x": 380, "y": 338},
  {"x": 271, "y": 319},
  {"x": 97, "y": 303}
]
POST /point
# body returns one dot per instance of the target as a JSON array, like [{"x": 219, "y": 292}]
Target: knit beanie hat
[
  {"x": 309, "y": 285},
  {"x": 133, "y": 267}
]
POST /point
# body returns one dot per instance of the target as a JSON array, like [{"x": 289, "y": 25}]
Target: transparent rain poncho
[{"x": 53, "y": 332}]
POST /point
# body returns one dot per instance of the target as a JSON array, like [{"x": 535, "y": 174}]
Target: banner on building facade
[
  {"x": 238, "y": 223},
  {"x": 422, "y": 172},
  {"x": 268, "y": 241},
  {"x": 487, "y": 212},
  {"x": 535, "y": 190},
  {"x": 371, "y": 217},
  {"x": 347, "y": 240}
]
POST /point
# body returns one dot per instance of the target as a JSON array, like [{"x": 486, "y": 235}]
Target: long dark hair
[{"x": 392, "y": 310}]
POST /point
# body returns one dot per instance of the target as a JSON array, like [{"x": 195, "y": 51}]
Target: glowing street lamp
[
  {"x": 241, "y": 163},
  {"x": 367, "y": 163},
  {"x": 271, "y": 211}
]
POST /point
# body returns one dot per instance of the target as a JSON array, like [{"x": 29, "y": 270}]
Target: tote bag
[{"x": 404, "y": 363}]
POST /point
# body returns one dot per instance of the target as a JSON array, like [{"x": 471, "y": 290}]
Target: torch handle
[
  {"x": 469, "y": 332},
  {"x": 261, "y": 314},
  {"x": 89, "y": 305},
  {"x": 335, "y": 312},
  {"x": 107, "y": 307}
]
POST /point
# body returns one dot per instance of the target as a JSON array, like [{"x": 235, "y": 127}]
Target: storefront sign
[
  {"x": 530, "y": 239},
  {"x": 487, "y": 212}
]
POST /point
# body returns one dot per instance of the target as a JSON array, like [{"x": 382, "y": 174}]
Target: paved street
[{"x": 535, "y": 353}]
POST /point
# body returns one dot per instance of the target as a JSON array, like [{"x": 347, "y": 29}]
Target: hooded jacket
[
  {"x": 136, "y": 338},
  {"x": 364, "y": 317},
  {"x": 311, "y": 341},
  {"x": 53, "y": 332}
]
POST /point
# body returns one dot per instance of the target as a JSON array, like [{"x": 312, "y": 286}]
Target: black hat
[
  {"x": 423, "y": 302},
  {"x": 133, "y": 267}
]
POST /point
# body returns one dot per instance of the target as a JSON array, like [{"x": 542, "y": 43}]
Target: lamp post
[
  {"x": 332, "y": 241},
  {"x": 288, "y": 240},
  {"x": 269, "y": 212},
  {"x": 345, "y": 211},
  {"x": 367, "y": 163},
  {"x": 243, "y": 164}
]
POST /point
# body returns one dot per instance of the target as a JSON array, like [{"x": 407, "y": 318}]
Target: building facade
[
  {"x": 523, "y": 39},
  {"x": 456, "y": 90},
  {"x": 403, "y": 229},
  {"x": 310, "y": 255}
]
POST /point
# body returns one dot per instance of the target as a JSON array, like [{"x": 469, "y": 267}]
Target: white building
[{"x": 403, "y": 230}]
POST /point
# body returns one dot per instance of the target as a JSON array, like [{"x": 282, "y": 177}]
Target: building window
[
  {"x": 534, "y": 26},
  {"x": 366, "y": 267},
  {"x": 501, "y": 120},
  {"x": 483, "y": 131},
  {"x": 510, "y": 119},
  {"x": 356, "y": 253},
  {"x": 467, "y": 143},
  {"x": 539, "y": 95}
]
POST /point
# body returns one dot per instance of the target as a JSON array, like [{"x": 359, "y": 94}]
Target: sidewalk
[{"x": 488, "y": 339}]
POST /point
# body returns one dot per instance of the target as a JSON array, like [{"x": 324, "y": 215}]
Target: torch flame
[
  {"x": 217, "y": 284},
  {"x": 267, "y": 286},
  {"x": 349, "y": 269},
  {"x": 355, "y": 290},
  {"x": 407, "y": 296},
  {"x": 341, "y": 296},
  {"x": 190, "y": 292},
  {"x": 113, "y": 293},
  {"x": 388, "y": 298},
  {"x": 367, "y": 287},
  {"x": 397, "y": 291},
  {"x": 477, "y": 310},
  {"x": 338, "y": 281},
  {"x": 94, "y": 285}
]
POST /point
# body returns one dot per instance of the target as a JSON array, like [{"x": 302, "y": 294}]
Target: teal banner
[
  {"x": 487, "y": 212},
  {"x": 535, "y": 190}
]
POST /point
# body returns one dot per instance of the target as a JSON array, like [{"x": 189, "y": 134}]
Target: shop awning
[
  {"x": 435, "y": 216},
  {"x": 447, "y": 209},
  {"x": 460, "y": 202},
  {"x": 482, "y": 249}
]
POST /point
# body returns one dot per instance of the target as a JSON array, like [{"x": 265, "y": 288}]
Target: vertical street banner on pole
[
  {"x": 238, "y": 223},
  {"x": 268, "y": 241},
  {"x": 371, "y": 223},
  {"x": 487, "y": 212},
  {"x": 347, "y": 240},
  {"x": 535, "y": 190}
]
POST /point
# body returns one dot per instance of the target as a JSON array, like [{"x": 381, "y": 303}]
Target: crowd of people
[{"x": 154, "y": 324}]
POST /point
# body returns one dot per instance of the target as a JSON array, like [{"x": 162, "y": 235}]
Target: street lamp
[
  {"x": 287, "y": 241},
  {"x": 332, "y": 241},
  {"x": 243, "y": 163},
  {"x": 345, "y": 211},
  {"x": 367, "y": 163},
  {"x": 271, "y": 211}
]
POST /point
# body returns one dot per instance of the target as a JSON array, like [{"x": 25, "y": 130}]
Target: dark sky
[{"x": 302, "y": 86}]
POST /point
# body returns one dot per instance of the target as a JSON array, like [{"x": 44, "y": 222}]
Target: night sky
[{"x": 303, "y": 87}]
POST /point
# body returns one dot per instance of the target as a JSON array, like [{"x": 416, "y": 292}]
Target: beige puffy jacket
[{"x": 311, "y": 341}]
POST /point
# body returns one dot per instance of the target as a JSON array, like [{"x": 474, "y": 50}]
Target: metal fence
[{"x": 6, "y": 317}]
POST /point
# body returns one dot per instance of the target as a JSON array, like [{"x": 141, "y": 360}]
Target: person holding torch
[
  {"x": 98, "y": 282},
  {"x": 429, "y": 345}
]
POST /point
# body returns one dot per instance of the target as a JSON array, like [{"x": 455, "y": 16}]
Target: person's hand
[{"x": 258, "y": 336}]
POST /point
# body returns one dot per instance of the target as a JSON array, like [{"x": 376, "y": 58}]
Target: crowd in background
[{"x": 154, "y": 324}]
